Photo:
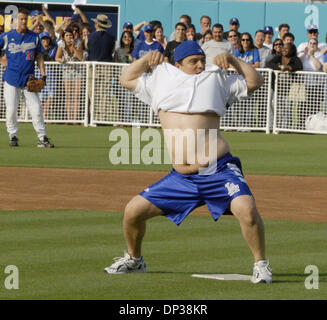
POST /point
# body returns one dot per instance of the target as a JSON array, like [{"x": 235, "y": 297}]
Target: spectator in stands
[
  {"x": 78, "y": 17},
  {"x": 190, "y": 32},
  {"x": 76, "y": 33},
  {"x": 49, "y": 27},
  {"x": 276, "y": 50},
  {"x": 282, "y": 29},
  {"x": 126, "y": 102},
  {"x": 36, "y": 18},
  {"x": 205, "y": 23},
  {"x": 288, "y": 38},
  {"x": 312, "y": 33},
  {"x": 2, "y": 28},
  {"x": 217, "y": 45},
  {"x": 86, "y": 29},
  {"x": 48, "y": 51},
  {"x": 184, "y": 18},
  {"x": 207, "y": 36},
  {"x": 143, "y": 47},
  {"x": 287, "y": 61},
  {"x": 160, "y": 37},
  {"x": 137, "y": 29},
  {"x": 269, "y": 34},
  {"x": 312, "y": 60},
  {"x": 101, "y": 44},
  {"x": 123, "y": 53},
  {"x": 140, "y": 36},
  {"x": 180, "y": 30},
  {"x": 247, "y": 51},
  {"x": 48, "y": 92},
  {"x": 234, "y": 25},
  {"x": 264, "y": 51},
  {"x": 37, "y": 21},
  {"x": 128, "y": 26},
  {"x": 72, "y": 74},
  {"x": 234, "y": 39}
]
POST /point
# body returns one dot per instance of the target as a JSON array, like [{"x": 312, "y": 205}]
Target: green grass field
[
  {"x": 61, "y": 254},
  {"x": 88, "y": 148}
]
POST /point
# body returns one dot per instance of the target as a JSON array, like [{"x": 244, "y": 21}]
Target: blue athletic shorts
[{"x": 178, "y": 194}]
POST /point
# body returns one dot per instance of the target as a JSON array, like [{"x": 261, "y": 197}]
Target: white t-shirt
[
  {"x": 170, "y": 89},
  {"x": 212, "y": 48},
  {"x": 303, "y": 45},
  {"x": 308, "y": 63},
  {"x": 264, "y": 52}
]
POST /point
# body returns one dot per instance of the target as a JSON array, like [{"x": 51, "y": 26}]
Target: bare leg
[
  {"x": 244, "y": 209},
  {"x": 69, "y": 102},
  {"x": 76, "y": 94},
  {"x": 137, "y": 211}
]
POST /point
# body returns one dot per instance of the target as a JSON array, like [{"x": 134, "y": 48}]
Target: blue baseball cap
[
  {"x": 187, "y": 48},
  {"x": 44, "y": 35},
  {"x": 75, "y": 16},
  {"x": 268, "y": 29},
  {"x": 312, "y": 27},
  {"x": 148, "y": 27},
  {"x": 35, "y": 13},
  {"x": 128, "y": 25},
  {"x": 234, "y": 21}
]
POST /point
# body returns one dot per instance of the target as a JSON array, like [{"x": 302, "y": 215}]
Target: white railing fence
[
  {"x": 90, "y": 93},
  {"x": 300, "y": 102}
]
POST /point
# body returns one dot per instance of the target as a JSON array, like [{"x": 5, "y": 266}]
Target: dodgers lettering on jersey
[
  {"x": 143, "y": 48},
  {"x": 21, "y": 51}
]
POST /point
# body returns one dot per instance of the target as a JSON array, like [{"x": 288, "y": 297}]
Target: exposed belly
[{"x": 193, "y": 140}]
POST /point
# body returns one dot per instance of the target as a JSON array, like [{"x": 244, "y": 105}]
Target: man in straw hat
[{"x": 100, "y": 43}]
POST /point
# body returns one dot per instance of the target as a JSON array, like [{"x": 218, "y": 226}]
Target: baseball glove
[{"x": 35, "y": 85}]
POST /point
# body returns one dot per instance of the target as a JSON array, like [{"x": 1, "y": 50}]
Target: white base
[{"x": 233, "y": 276}]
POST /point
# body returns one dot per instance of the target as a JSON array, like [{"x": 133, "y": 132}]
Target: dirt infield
[{"x": 277, "y": 197}]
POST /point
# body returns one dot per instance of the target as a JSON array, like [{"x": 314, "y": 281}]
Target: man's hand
[
  {"x": 154, "y": 58},
  {"x": 224, "y": 60},
  {"x": 253, "y": 79},
  {"x": 129, "y": 76}
]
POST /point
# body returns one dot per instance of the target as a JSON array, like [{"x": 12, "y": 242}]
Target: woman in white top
[
  {"x": 160, "y": 37},
  {"x": 312, "y": 60},
  {"x": 72, "y": 75}
]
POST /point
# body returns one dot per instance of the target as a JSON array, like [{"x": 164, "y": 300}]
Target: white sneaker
[
  {"x": 262, "y": 273},
  {"x": 126, "y": 264}
]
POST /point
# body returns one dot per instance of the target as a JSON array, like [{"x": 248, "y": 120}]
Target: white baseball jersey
[{"x": 170, "y": 89}]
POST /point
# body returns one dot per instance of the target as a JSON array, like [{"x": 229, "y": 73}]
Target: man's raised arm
[
  {"x": 253, "y": 78},
  {"x": 128, "y": 79}
]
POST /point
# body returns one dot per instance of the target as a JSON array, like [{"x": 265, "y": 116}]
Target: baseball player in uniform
[
  {"x": 22, "y": 48},
  {"x": 191, "y": 97}
]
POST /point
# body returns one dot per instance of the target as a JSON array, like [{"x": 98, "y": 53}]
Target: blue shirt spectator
[
  {"x": 249, "y": 56},
  {"x": 143, "y": 47},
  {"x": 247, "y": 52}
]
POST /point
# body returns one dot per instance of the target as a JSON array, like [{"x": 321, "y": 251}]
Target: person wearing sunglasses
[
  {"x": 312, "y": 33},
  {"x": 247, "y": 52},
  {"x": 277, "y": 48},
  {"x": 234, "y": 38}
]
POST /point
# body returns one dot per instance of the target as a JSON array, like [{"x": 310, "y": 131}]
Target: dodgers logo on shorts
[{"x": 232, "y": 188}]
